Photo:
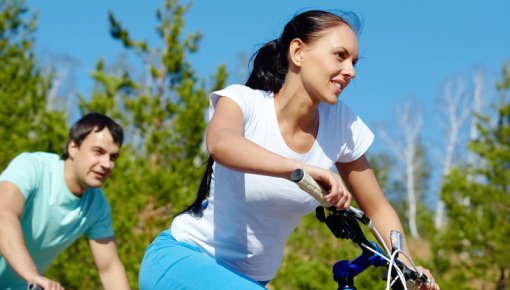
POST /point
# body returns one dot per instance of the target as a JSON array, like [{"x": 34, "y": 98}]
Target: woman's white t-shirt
[{"x": 249, "y": 217}]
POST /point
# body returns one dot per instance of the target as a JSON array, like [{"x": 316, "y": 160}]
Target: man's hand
[{"x": 46, "y": 284}]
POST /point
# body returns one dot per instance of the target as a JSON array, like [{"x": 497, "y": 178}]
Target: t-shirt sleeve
[
  {"x": 24, "y": 172},
  {"x": 102, "y": 228},
  {"x": 357, "y": 136},
  {"x": 238, "y": 93}
]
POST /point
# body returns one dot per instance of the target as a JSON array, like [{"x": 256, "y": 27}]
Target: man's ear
[
  {"x": 296, "y": 47},
  {"x": 72, "y": 148}
]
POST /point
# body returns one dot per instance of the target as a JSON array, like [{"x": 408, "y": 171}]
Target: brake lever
[
  {"x": 359, "y": 214},
  {"x": 417, "y": 277},
  {"x": 343, "y": 225}
]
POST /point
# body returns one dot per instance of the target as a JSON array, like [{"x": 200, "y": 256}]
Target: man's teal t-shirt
[{"x": 53, "y": 217}]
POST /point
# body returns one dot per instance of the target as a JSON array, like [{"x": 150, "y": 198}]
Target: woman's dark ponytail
[
  {"x": 269, "y": 67},
  {"x": 195, "y": 208}
]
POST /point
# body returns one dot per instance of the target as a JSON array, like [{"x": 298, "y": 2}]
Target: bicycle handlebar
[
  {"x": 309, "y": 185},
  {"x": 349, "y": 229},
  {"x": 312, "y": 187}
]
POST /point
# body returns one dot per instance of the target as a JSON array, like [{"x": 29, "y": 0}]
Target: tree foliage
[
  {"x": 25, "y": 123},
  {"x": 477, "y": 197}
]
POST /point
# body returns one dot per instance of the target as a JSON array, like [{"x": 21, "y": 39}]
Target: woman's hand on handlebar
[
  {"x": 338, "y": 195},
  {"x": 432, "y": 285}
]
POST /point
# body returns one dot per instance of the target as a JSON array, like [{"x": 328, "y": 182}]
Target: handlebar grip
[
  {"x": 33, "y": 286},
  {"x": 312, "y": 187},
  {"x": 308, "y": 184}
]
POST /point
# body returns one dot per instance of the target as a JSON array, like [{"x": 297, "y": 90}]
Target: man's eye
[{"x": 98, "y": 151}]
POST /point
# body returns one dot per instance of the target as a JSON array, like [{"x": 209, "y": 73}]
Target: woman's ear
[{"x": 296, "y": 47}]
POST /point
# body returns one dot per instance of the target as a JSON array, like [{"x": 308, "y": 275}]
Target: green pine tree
[{"x": 25, "y": 122}]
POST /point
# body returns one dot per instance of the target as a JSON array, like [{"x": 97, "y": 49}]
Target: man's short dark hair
[{"x": 93, "y": 121}]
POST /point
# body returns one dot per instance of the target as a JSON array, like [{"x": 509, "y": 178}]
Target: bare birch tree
[
  {"x": 62, "y": 68},
  {"x": 459, "y": 105},
  {"x": 410, "y": 120},
  {"x": 454, "y": 102},
  {"x": 476, "y": 107}
]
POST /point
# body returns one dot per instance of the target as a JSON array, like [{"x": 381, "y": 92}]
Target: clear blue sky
[{"x": 408, "y": 48}]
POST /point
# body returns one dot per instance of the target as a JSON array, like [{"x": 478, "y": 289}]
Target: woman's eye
[{"x": 340, "y": 56}]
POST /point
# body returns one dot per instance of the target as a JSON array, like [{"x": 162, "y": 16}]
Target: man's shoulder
[
  {"x": 33, "y": 162},
  {"x": 44, "y": 157}
]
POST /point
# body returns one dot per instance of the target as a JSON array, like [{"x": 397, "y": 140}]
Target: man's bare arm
[
  {"x": 111, "y": 271},
  {"x": 12, "y": 242}
]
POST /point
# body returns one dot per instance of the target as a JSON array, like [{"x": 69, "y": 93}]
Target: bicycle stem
[{"x": 345, "y": 271}]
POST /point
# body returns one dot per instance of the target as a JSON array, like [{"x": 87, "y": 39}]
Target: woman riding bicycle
[{"x": 287, "y": 116}]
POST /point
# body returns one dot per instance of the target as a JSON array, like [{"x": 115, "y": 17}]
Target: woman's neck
[{"x": 295, "y": 110}]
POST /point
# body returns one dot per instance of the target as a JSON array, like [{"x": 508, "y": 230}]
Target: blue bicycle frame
[{"x": 345, "y": 271}]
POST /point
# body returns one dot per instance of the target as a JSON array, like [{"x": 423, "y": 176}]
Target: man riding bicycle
[{"x": 48, "y": 202}]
